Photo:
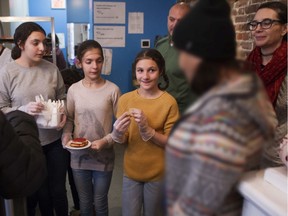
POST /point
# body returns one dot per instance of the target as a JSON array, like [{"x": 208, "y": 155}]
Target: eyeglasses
[{"x": 265, "y": 24}]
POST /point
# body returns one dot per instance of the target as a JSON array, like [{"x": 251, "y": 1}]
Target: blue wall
[
  {"x": 81, "y": 11},
  {"x": 43, "y": 8},
  {"x": 78, "y": 11},
  {"x": 155, "y": 23}
]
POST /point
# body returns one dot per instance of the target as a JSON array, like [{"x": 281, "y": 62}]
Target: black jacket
[{"x": 22, "y": 163}]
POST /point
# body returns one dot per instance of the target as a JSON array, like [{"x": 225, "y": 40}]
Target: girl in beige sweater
[{"x": 91, "y": 105}]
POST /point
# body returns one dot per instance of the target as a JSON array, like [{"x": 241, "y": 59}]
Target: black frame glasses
[{"x": 265, "y": 24}]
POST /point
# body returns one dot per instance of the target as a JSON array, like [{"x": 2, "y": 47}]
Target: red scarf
[{"x": 274, "y": 72}]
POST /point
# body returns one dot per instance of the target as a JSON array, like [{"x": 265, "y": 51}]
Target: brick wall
[{"x": 242, "y": 12}]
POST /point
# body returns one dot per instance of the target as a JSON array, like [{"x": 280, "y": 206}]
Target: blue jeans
[
  {"x": 141, "y": 195},
  {"x": 52, "y": 194},
  {"x": 92, "y": 187}
]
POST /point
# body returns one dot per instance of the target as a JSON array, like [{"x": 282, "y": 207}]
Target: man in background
[
  {"x": 60, "y": 59},
  {"x": 178, "y": 86}
]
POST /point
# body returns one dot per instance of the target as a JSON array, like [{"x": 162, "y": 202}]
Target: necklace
[{"x": 268, "y": 54}]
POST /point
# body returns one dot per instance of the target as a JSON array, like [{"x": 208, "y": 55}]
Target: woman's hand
[
  {"x": 146, "y": 131},
  {"x": 32, "y": 108},
  {"x": 120, "y": 127}
]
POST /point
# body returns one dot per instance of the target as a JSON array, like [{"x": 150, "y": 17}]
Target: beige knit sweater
[{"x": 90, "y": 115}]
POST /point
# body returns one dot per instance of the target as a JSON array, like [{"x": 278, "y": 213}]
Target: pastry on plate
[{"x": 79, "y": 142}]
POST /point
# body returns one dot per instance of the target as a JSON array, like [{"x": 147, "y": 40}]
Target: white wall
[
  {"x": 5, "y": 11},
  {"x": 18, "y": 8}
]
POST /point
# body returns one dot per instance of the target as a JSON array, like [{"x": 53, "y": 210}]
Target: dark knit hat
[{"x": 207, "y": 31}]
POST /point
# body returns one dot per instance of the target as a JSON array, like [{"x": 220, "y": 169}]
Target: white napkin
[{"x": 50, "y": 116}]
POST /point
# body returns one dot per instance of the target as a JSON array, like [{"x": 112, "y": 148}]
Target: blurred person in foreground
[
  {"x": 178, "y": 85},
  {"x": 22, "y": 163},
  {"x": 221, "y": 136},
  {"x": 269, "y": 58}
]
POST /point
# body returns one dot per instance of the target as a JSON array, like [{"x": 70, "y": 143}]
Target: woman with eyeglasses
[{"x": 269, "y": 59}]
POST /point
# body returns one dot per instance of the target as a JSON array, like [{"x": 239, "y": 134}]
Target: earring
[{"x": 20, "y": 47}]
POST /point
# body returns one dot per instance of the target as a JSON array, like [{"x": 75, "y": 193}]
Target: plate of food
[{"x": 78, "y": 144}]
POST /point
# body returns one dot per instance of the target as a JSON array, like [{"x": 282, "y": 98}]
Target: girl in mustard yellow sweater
[{"x": 145, "y": 118}]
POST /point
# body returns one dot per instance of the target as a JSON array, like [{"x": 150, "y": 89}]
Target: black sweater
[{"x": 22, "y": 163}]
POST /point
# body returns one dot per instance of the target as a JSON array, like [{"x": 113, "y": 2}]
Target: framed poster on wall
[{"x": 58, "y": 4}]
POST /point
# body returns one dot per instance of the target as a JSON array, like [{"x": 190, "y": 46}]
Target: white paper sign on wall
[
  {"x": 136, "y": 23},
  {"x": 109, "y": 12},
  {"x": 110, "y": 36},
  {"x": 107, "y": 66}
]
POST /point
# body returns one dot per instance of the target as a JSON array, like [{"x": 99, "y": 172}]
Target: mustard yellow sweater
[{"x": 144, "y": 161}]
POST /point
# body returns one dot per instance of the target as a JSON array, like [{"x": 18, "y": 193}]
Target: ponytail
[{"x": 16, "y": 52}]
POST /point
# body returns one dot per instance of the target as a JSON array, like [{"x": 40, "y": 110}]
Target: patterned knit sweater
[{"x": 219, "y": 138}]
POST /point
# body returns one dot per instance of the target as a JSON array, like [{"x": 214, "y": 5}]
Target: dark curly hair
[
  {"x": 280, "y": 8},
  {"x": 21, "y": 34},
  {"x": 156, "y": 56}
]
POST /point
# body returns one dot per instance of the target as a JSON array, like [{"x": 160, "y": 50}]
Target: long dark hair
[
  {"x": 21, "y": 34},
  {"x": 209, "y": 73},
  {"x": 88, "y": 45},
  {"x": 156, "y": 56},
  {"x": 281, "y": 10}
]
